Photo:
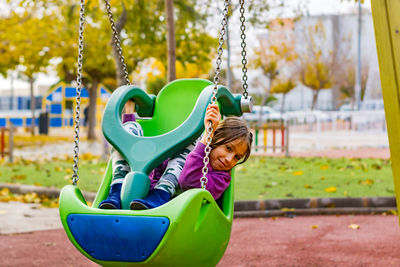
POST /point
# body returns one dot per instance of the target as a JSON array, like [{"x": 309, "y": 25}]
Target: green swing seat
[{"x": 191, "y": 229}]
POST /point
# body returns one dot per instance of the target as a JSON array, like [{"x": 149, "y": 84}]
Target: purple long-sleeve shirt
[{"x": 218, "y": 181}]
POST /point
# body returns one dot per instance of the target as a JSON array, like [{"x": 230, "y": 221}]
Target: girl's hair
[{"x": 230, "y": 129}]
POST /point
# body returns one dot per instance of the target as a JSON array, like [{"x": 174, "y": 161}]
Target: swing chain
[
  {"x": 117, "y": 42},
  {"x": 209, "y": 129},
  {"x": 243, "y": 45},
  {"x": 75, "y": 176}
]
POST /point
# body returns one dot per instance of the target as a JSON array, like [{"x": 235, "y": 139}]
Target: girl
[
  {"x": 231, "y": 145},
  {"x": 164, "y": 178}
]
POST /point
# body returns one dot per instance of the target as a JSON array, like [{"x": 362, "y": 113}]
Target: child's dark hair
[{"x": 230, "y": 129}]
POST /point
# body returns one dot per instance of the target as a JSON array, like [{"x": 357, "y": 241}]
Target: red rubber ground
[{"x": 254, "y": 242}]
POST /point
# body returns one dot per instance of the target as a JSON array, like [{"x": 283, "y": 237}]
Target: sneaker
[
  {"x": 154, "y": 199},
  {"x": 113, "y": 200}
]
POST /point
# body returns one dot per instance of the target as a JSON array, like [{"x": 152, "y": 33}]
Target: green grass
[
  {"x": 268, "y": 177},
  {"x": 259, "y": 178},
  {"x": 55, "y": 173}
]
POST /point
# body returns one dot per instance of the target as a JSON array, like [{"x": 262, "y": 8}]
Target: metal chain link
[
  {"x": 75, "y": 176},
  {"x": 243, "y": 45},
  {"x": 209, "y": 129},
  {"x": 117, "y": 41}
]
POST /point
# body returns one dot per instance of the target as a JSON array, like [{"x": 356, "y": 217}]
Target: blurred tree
[
  {"x": 30, "y": 40},
  {"x": 315, "y": 61},
  {"x": 345, "y": 78},
  {"x": 276, "y": 57},
  {"x": 283, "y": 86},
  {"x": 143, "y": 30}
]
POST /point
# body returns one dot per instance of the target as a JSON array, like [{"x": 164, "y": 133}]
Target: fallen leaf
[
  {"x": 287, "y": 209},
  {"x": 307, "y": 186},
  {"x": 298, "y": 173},
  {"x": 354, "y": 226},
  {"x": 314, "y": 226},
  {"x": 322, "y": 178},
  {"x": 4, "y": 191},
  {"x": 58, "y": 169},
  {"x": 324, "y": 167},
  {"x": 18, "y": 177},
  {"x": 331, "y": 189},
  {"x": 367, "y": 182}
]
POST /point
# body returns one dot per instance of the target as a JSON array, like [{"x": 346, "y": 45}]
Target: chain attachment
[
  {"x": 209, "y": 129},
  {"x": 243, "y": 45},
  {"x": 117, "y": 42},
  {"x": 75, "y": 176}
]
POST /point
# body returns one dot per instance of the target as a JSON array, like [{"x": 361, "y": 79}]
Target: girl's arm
[{"x": 218, "y": 181}]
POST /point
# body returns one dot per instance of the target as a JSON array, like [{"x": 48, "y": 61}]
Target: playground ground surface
[
  {"x": 365, "y": 240},
  {"x": 345, "y": 240}
]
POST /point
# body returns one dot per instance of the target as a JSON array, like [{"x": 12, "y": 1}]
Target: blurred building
[{"x": 339, "y": 41}]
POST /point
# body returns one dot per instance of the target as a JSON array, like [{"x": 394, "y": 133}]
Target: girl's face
[{"x": 225, "y": 157}]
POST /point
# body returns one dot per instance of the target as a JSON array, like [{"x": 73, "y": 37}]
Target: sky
[{"x": 314, "y": 7}]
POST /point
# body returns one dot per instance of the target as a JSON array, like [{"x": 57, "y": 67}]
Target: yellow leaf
[
  {"x": 314, "y": 226},
  {"x": 4, "y": 191},
  {"x": 287, "y": 209},
  {"x": 19, "y": 177},
  {"x": 345, "y": 193},
  {"x": 322, "y": 178},
  {"x": 324, "y": 167},
  {"x": 58, "y": 169},
  {"x": 354, "y": 226},
  {"x": 367, "y": 182},
  {"x": 331, "y": 189},
  {"x": 298, "y": 173},
  {"x": 307, "y": 186}
]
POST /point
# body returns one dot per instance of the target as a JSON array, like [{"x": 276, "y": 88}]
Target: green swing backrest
[
  {"x": 179, "y": 114},
  {"x": 174, "y": 104}
]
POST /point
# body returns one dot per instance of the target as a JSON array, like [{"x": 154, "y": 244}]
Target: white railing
[
  {"x": 368, "y": 120},
  {"x": 318, "y": 130}
]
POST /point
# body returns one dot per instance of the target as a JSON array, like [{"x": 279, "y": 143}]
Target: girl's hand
[{"x": 212, "y": 115}]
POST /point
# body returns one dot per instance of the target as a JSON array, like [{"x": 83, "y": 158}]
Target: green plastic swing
[{"x": 191, "y": 229}]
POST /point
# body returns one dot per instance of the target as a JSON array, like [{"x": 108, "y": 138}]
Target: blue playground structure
[{"x": 59, "y": 104}]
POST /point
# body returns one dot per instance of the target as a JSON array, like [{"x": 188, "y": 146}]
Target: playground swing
[{"x": 191, "y": 229}]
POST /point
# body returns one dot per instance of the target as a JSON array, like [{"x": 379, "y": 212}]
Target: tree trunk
[
  {"x": 92, "y": 110},
  {"x": 171, "y": 44},
  {"x": 33, "y": 105},
  {"x": 118, "y": 64},
  {"x": 314, "y": 99},
  {"x": 283, "y": 103}
]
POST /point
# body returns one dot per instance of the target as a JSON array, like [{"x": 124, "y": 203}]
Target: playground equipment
[
  {"x": 7, "y": 149},
  {"x": 190, "y": 230},
  {"x": 270, "y": 133},
  {"x": 60, "y": 103},
  {"x": 387, "y": 33}
]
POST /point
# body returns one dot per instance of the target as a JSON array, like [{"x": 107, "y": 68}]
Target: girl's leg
[
  {"x": 167, "y": 184},
  {"x": 120, "y": 168}
]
